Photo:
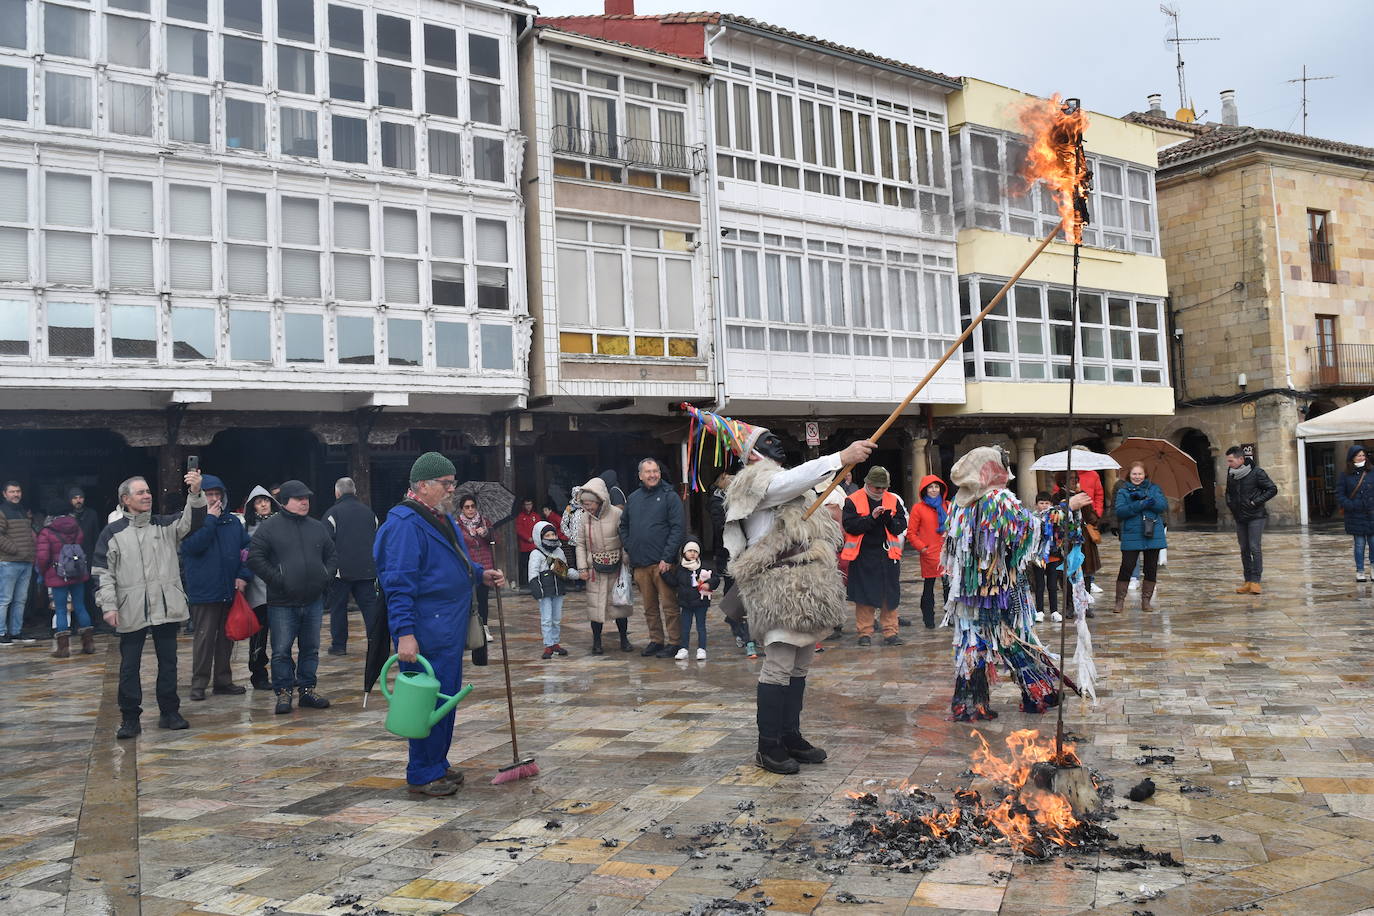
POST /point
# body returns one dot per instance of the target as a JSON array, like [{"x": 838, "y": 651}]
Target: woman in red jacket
[
  {"x": 525, "y": 520},
  {"x": 926, "y": 532},
  {"x": 61, "y": 530}
]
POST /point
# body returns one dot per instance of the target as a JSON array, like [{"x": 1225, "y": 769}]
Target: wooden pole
[{"x": 953, "y": 348}]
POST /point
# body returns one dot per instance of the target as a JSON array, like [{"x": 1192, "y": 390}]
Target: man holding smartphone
[
  {"x": 136, "y": 568},
  {"x": 874, "y": 524}
]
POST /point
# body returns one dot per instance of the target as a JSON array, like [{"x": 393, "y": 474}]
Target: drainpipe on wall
[
  {"x": 1283, "y": 289},
  {"x": 713, "y": 227}
]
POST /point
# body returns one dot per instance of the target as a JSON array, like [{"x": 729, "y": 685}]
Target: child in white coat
[{"x": 549, "y": 574}]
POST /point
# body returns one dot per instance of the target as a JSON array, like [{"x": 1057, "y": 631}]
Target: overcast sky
[{"x": 1112, "y": 54}]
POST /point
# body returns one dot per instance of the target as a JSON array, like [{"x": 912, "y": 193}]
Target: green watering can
[{"x": 412, "y": 711}]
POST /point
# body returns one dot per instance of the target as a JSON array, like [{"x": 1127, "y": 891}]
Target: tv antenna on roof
[
  {"x": 1305, "y": 79},
  {"x": 1185, "y": 110}
]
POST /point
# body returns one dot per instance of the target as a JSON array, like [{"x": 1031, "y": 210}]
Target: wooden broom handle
[{"x": 953, "y": 348}]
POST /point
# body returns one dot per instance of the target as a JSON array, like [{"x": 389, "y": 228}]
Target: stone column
[
  {"x": 919, "y": 463},
  {"x": 1027, "y": 485}
]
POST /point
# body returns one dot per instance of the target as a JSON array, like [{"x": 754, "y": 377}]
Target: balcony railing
[
  {"x": 633, "y": 151},
  {"x": 1342, "y": 365}
]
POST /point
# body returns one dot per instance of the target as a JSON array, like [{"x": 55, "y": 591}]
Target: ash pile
[{"x": 1032, "y": 804}]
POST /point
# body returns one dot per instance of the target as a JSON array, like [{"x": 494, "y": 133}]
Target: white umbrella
[{"x": 1083, "y": 460}]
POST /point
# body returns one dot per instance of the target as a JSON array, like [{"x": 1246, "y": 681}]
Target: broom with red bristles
[{"x": 518, "y": 769}]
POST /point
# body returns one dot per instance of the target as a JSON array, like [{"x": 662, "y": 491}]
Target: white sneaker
[
  {"x": 701, "y": 655},
  {"x": 1135, "y": 584},
  {"x": 1096, "y": 589},
  {"x": 681, "y": 655},
  {"x": 1039, "y": 616},
  {"x": 486, "y": 631},
  {"x": 1056, "y": 617},
  {"x": 1360, "y": 577}
]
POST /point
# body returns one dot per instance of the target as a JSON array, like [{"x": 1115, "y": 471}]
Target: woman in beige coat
[{"x": 599, "y": 557}]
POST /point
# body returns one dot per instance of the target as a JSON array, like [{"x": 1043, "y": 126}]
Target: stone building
[
  {"x": 1018, "y": 361},
  {"x": 283, "y": 235},
  {"x": 1271, "y": 282}
]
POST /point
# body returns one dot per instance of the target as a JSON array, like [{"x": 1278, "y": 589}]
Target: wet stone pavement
[{"x": 1263, "y": 701}]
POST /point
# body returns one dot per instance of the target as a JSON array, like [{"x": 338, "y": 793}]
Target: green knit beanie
[
  {"x": 878, "y": 477},
  {"x": 431, "y": 466}
]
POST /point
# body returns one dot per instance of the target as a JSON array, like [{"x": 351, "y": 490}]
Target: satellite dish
[{"x": 1186, "y": 115}]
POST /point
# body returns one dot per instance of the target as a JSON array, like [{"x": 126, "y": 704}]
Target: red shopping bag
[{"x": 241, "y": 622}]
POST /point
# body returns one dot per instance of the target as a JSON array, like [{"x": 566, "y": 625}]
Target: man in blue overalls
[{"x": 427, "y": 579}]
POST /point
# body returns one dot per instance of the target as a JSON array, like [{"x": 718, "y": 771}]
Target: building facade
[
  {"x": 1018, "y": 362},
  {"x": 275, "y": 234},
  {"x": 1266, "y": 235}
]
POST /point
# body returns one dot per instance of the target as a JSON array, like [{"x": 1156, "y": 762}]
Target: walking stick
[{"x": 953, "y": 348}]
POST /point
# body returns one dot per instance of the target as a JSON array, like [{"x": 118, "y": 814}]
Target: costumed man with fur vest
[{"x": 785, "y": 571}]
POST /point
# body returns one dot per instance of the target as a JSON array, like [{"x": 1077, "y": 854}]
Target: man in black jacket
[
  {"x": 353, "y": 527},
  {"x": 651, "y": 533},
  {"x": 294, "y": 555},
  {"x": 1248, "y": 488}
]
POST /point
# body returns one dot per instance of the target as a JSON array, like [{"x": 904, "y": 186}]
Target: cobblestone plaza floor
[{"x": 1264, "y": 701}]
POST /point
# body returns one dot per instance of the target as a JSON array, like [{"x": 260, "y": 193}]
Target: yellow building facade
[{"x": 1018, "y": 363}]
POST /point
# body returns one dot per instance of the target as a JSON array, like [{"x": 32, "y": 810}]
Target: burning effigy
[{"x": 1020, "y": 804}]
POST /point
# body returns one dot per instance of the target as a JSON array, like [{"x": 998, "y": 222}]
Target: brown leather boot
[
  {"x": 1147, "y": 591},
  {"x": 87, "y": 640},
  {"x": 1121, "y": 589},
  {"x": 64, "y": 645}
]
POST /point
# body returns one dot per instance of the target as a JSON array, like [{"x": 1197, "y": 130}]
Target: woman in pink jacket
[{"x": 66, "y": 577}]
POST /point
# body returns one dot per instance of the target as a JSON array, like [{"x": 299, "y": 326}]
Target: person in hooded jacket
[
  {"x": 549, "y": 573},
  {"x": 213, "y": 569},
  {"x": 296, "y": 555},
  {"x": 596, "y": 543},
  {"x": 261, "y": 505},
  {"x": 62, "y": 530},
  {"x": 1355, "y": 493},
  {"x": 694, "y": 585},
  {"x": 90, "y": 523},
  {"x": 926, "y": 532}
]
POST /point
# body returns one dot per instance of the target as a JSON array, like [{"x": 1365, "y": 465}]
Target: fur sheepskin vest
[{"x": 789, "y": 579}]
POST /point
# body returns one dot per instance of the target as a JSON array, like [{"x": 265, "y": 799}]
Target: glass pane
[
  {"x": 609, "y": 289},
  {"x": 190, "y": 10},
  {"x": 126, "y": 42},
  {"x": 644, "y": 279},
  {"x": 1121, "y": 345},
  {"x": 404, "y": 342},
  {"x": 485, "y": 99},
  {"x": 296, "y": 20},
  {"x": 996, "y": 337},
  {"x": 244, "y": 15},
  {"x": 242, "y": 61},
  {"x": 68, "y": 257},
  {"x": 243, "y": 125},
  {"x": 1092, "y": 343},
  {"x": 250, "y": 335},
  {"x": 295, "y": 69},
  {"x": 133, "y": 332},
  {"x": 352, "y": 226},
  {"x": 489, "y": 158},
  {"x": 355, "y": 340},
  {"x": 188, "y": 117},
  {"x": 304, "y": 338},
  {"x": 491, "y": 241},
  {"x": 400, "y": 230},
  {"x": 445, "y": 153},
  {"x": 484, "y": 57},
  {"x": 352, "y": 277},
  {"x": 14, "y": 93},
  {"x": 1147, "y": 314},
  {"x": 247, "y": 269},
  {"x": 446, "y": 235},
  {"x": 1061, "y": 340},
  {"x": 131, "y": 263},
  {"x": 1061, "y": 305},
  {"x": 1149, "y": 348},
  {"x": 1109, "y": 178},
  {"x": 497, "y": 350},
  {"x": 66, "y": 31},
  {"x": 13, "y": 34},
  {"x": 300, "y": 273},
  {"x": 678, "y": 278},
  {"x": 398, "y": 146},
  {"x": 441, "y": 94},
  {"x": 14, "y": 328},
  {"x": 346, "y": 81},
  {"x": 450, "y": 345},
  {"x": 189, "y": 265},
  {"x": 67, "y": 201},
  {"x": 131, "y": 109},
  {"x": 441, "y": 47},
  {"x": 448, "y": 284},
  {"x": 402, "y": 280},
  {"x": 345, "y": 28},
  {"x": 393, "y": 86},
  {"x": 349, "y": 139},
  {"x": 1090, "y": 308},
  {"x": 1119, "y": 310},
  {"x": 1029, "y": 337},
  {"x": 190, "y": 209},
  {"x": 187, "y": 51},
  {"x": 393, "y": 37},
  {"x": 300, "y": 221},
  {"x": 491, "y": 288},
  {"x": 71, "y": 329},
  {"x": 193, "y": 333},
  {"x": 67, "y": 100},
  {"x": 299, "y": 133}
]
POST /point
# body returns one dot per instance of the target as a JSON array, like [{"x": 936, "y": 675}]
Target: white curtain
[
  {"x": 446, "y": 235},
  {"x": 131, "y": 204},
  {"x": 445, "y": 153},
  {"x": 351, "y": 229},
  {"x": 672, "y": 134},
  {"x": 188, "y": 117},
  {"x": 67, "y": 100},
  {"x": 400, "y": 230},
  {"x": 300, "y": 220},
  {"x": 247, "y": 270},
  {"x": 247, "y": 215}
]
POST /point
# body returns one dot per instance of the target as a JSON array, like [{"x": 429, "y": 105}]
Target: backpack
[{"x": 71, "y": 563}]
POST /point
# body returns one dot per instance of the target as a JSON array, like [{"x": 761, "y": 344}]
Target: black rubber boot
[
  {"x": 798, "y": 747},
  {"x": 772, "y": 754},
  {"x": 623, "y": 625},
  {"x": 596, "y": 639},
  {"x": 129, "y": 728}
]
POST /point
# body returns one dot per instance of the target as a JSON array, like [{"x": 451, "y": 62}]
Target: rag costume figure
[
  {"x": 549, "y": 574},
  {"x": 989, "y": 545},
  {"x": 785, "y": 572}
]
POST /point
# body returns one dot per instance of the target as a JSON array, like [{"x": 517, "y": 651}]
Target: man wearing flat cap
[
  {"x": 427, "y": 580},
  {"x": 294, "y": 554}
]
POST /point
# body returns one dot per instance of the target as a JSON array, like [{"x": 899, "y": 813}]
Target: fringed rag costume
[
  {"x": 1062, "y": 534},
  {"x": 990, "y": 542}
]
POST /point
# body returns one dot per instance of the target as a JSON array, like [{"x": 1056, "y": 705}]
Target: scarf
[
  {"x": 1238, "y": 473},
  {"x": 938, "y": 504}
]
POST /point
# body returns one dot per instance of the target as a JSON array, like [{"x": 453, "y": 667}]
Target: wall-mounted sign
[{"x": 813, "y": 433}]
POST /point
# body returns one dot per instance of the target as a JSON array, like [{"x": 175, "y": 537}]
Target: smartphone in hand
[{"x": 193, "y": 462}]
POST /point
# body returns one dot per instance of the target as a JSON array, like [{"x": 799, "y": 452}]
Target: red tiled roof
[
  {"x": 1212, "y": 138},
  {"x": 1164, "y": 122},
  {"x": 710, "y": 18},
  {"x": 553, "y": 26}
]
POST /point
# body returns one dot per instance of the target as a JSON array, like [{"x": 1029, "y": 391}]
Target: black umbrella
[
  {"x": 493, "y": 500},
  {"x": 378, "y": 646}
]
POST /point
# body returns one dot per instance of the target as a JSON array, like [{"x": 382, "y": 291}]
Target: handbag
[
  {"x": 241, "y": 622},
  {"x": 1147, "y": 527},
  {"x": 477, "y": 638},
  {"x": 622, "y": 593},
  {"x": 1093, "y": 532},
  {"x": 606, "y": 561}
]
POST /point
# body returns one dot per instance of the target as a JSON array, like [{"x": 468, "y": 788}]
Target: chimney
[
  {"x": 1156, "y": 103},
  {"x": 620, "y": 7},
  {"x": 1229, "y": 116}
]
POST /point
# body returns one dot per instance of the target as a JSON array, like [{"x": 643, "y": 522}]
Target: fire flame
[
  {"x": 1054, "y": 135},
  {"x": 1051, "y": 815}
]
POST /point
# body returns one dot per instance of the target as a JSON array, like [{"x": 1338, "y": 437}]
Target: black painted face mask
[{"x": 770, "y": 446}]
